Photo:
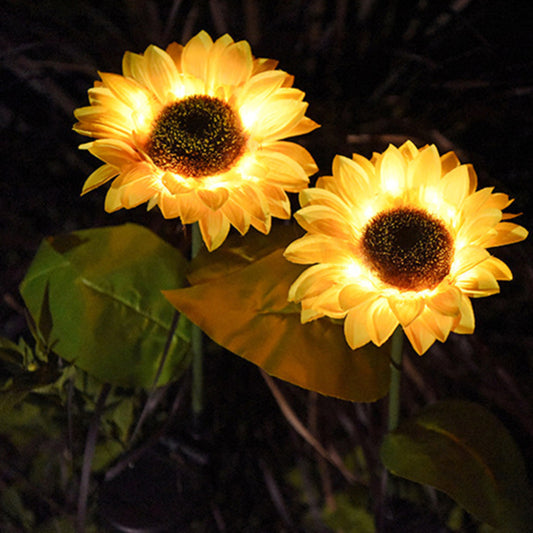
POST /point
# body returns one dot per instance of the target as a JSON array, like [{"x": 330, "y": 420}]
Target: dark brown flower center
[
  {"x": 197, "y": 136},
  {"x": 408, "y": 248}
]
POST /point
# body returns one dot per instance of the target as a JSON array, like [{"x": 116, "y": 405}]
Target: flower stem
[
  {"x": 197, "y": 394},
  {"x": 395, "y": 378}
]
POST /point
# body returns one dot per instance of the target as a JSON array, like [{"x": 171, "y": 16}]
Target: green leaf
[
  {"x": 18, "y": 376},
  {"x": 95, "y": 297},
  {"x": 462, "y": 449},
  {"x": 238, "y": 252},
  {"x": 350, "y": 514},
  {"x": 244, "y": 308}
]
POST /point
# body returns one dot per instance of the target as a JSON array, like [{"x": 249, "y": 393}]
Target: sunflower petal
[
  {"x": 323, "y": 219},
  {"x": 162, "y": 72},
  {"x": 100, "y": 176},
  {"x": 318, "y": 249},
  {"x": 420, "y": 336},
  {"x": 465, "y": 323},
  {"x": 214, "y": 227},
  {"x": 213, "y": 198},
  {"x": 446, "y": 302},
  {"x": 237, "y": 216},
  {"x": 355, "y": 329},
  {"x": 425, "y": 169},
  {"x": 505, "y": 233},
  {"x": 195, "y": 53},
  {"x": 405, "y": 308},
  {"x": 381, "y": 321}
]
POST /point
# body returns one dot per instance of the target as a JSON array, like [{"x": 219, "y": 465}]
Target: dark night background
[{"x": 455, "y": 73}]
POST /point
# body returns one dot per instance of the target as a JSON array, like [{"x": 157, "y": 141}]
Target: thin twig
[
  {"x": 148, "y": 406},
  {"x": 297, "y": 425},
  {"x": 88, "y": 454}
]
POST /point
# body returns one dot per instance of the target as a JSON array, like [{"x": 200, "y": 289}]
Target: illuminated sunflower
[
  {"x": 400, "y": 240},
  {"x": 197, "y": 130}
]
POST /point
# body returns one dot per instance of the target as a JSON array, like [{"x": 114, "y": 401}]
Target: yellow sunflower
[
  {"x": 197, "y": 130},
  {"x": 400, "y": 239}
]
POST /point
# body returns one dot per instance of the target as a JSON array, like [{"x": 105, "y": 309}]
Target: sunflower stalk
[
  {"x": 197, "y": 393},
  {"x": 395, "y": 379},
  {"x": 393, "y": 416}
]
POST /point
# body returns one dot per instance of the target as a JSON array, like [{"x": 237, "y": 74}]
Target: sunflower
[
  {"x": 400, "y": 239},
  {"x": 197, "y": 130}
]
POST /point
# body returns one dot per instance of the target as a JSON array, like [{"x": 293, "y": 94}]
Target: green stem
[
  {"x": 394, "y": 401},
  {"x": 395, "y": 378},
  {"x": 197, "y": 392}
]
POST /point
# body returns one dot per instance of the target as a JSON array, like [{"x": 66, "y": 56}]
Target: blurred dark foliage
[{"x": 455, "y": 73}]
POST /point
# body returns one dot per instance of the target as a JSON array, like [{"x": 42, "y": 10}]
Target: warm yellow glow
[
  {"x": 249, "y": 188},
  {"x": 410, "y": 193}
]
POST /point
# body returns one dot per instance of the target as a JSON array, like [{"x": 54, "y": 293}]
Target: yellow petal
[
  {"x": 439, "y": 325},
  {"x": 313, "y": 281},
  {"x": 318, "y": 249},
  {"x": 448, "y": 162},
  {"x": 238, "y": 217},
  {"x": 126, "y": 90},
  {"x": 114, "y": 152},
  {"x": 408, "y": 150},
  {"x": 113, "y": 200},
  {"x": 213, "y": 198},
  {"x": 261, "y": 86},
  {"x": 297, "y": 153},
  {"x": 100, "y": 176},
  {"x": 425, "y": 169},
  {"x": 354, "y": 295},
  {"x": 505, "y": 233},
  {"x": 353, "y": 184},
  {"x": 174, "y": 50},
  {"x": 420, "y": 336},
  {"x": 323, "y": 219},
  {"x": 381, "y": 321},
  {"x": 194, "y": 55},
  {"x": 251, "y": 200},
  {"x": 465, "y": 323},
  {"x": 134, "y": 66},
  {"x": 446, "y": 302},
  {"x": 214, "y": 228},
  {"x": 276, "y": 118},
  {"x": 480, "y": 280},
  {"x": 191, "y": 208},
  {"x": 278, "y": 202},
  {"x": 476, "y": 229},
  {"x": 283, "y": 171},
  {"x": 355, "y": 329},
  {"x": 467, "y": 258},
  {"x": 498, "y": 268},
  {"x": 455, "y": 186},
  {"x": 391, "y": 169},
  {"x": 169, "y": 205},
  {"x": 162, "y": 72},
  {"x": 304, "y": 125},
  {"x": 234, "y": 66},
  {"x": 175, "y": 184},
  {"x": 406, "y": 308}
]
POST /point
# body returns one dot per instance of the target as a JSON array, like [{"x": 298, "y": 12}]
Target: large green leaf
[
  {"x": 95, "y": 297},
  {"x": 241, "y": 303},
  {"x": 462, "y": 449}
]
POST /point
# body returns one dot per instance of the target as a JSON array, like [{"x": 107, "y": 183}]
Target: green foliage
[
  {"x": 94, "y": 296},
  {"x": 350, "y": 514},
  {"x": 239, "y": 299},
  {"x": 22, "y": 371},
  {"x": 462, "y": 449}
]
